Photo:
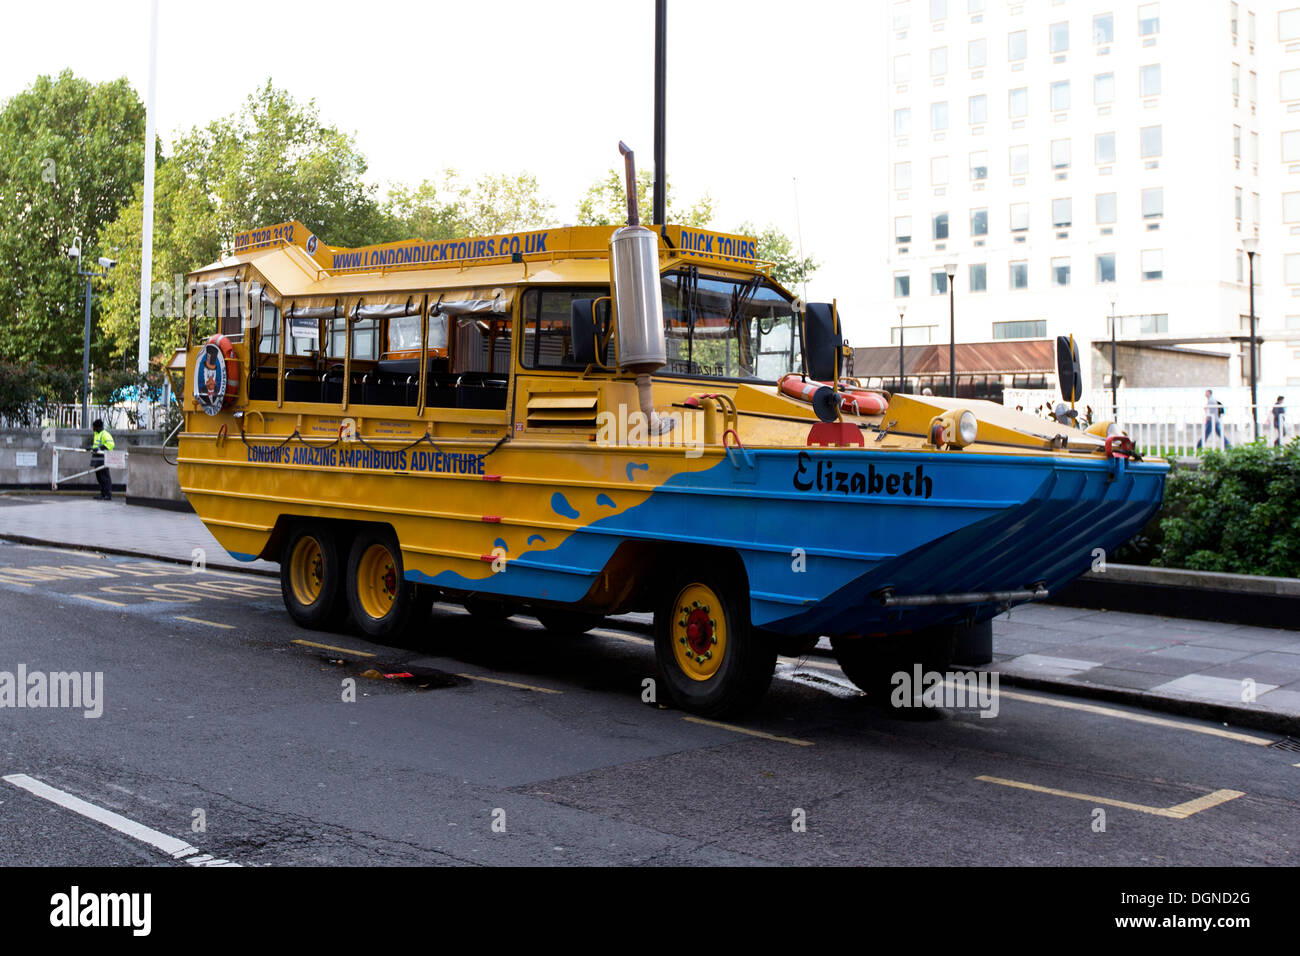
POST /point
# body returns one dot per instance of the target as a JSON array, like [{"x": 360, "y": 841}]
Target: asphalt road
[{"x": 511, "y": 746}]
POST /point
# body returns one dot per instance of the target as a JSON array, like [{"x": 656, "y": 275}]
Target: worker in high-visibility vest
[{"x": 103, "y": 442}]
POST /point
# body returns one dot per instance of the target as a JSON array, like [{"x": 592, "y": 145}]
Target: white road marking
[{"x": 174, "y": 847}]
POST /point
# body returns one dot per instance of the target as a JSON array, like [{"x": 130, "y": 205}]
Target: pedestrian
[
  {"x": 1279, "y": 420},
  {"x": 1213, "y": 420},
  {"x": 103, "y": 441}
]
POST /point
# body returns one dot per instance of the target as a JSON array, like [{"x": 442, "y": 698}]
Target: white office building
[{"x": 1067, "y": 154}]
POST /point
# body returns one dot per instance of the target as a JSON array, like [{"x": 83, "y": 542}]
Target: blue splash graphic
[
  {"x": 560, "y": 505},
  {"x": 635, "y": 466},
  {"x": 606, "y": 500},
  {"x": 532, "y": 538},
  {"x": 501, "y": 543}
]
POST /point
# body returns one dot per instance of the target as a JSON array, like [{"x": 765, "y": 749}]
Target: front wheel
[
  {"x": 711, "y": 660},
  {"x": 311, "y": 577},
  {"x": 378, "y": 595}
]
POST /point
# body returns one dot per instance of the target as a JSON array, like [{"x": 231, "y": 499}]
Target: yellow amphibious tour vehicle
[{"x": 583, "y": 421}]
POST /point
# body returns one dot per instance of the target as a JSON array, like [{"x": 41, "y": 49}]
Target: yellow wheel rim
[
  {"x": 307, "y": 570},
  {"x": 377, "y": 581},
  {"x": 699, "y": 632}
]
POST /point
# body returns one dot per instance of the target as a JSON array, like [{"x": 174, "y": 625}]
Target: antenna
[{"x": 798, "y": 223}]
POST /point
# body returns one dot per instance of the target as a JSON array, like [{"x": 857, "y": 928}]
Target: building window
[
  {"x": 1018, "y": 276},
  {"x": 1104, "y": 148},
  {"x": 1060, "y": 154},
  {"x": 974, "y": 6},
  {"x": 1143, "y": 324},
  {"x": 1019, "y": 216},
  {"x": 1016, "y": 45},
  {"x": 1236, "y": 80},
  {"x": 938, "y": 9},
  {"x": 1105, "y": 209},
  {"x": 939, "y": 61},
  {"x": 1149, "y": 80},
  {"x": 979, "y": 222},
  {"x": 1288, "y": 25},
  {"x": 1291, "y": 269},
  {"x": 1291, "y": 146},
  {"x": 1153, "y": 264},
  {"x": 1289, "y": 85},
  {"x": 1148, "y": 19},
  {"x": 1252, "y": 87},
  {"x": 902, "y": 68},
  {"x": 979, "y": 164},
  {"x": 1254, "y": 211},
  {"x": 938, "y": 282},
  {"x": 1031, "y": 329},
  {"x": 1018, "y": 102},
  {"x": 902, "y": 16},
  {"x": 1061, "y": 271},
  {"x": 1236, "y": 203},
  {"x": 902, "y": 285},
  {"x": 1061, "y": 217},
  {"x": 939, "y": 226},
  {"x": 979, "y": 109},
  {"x": 1103, "y": 28},
  {"x": 902, "y": 229},
  {"x": 939, "y": 116},
  {"x": 1236, "y": 141},
  {"x": 939, "y": 171},
  {"x": 902, "y": 122},
  {"x": 1153, "y": 203},
  {"x": 1152, "y": 141},
  {"x": 1103, "y": 88},
  {"x": 1106, "y": 267},
  {"x": 1060, "y": 95},
  {"x": 978, "y": 277},
  {"x": 1291, "y": 207},
  {"x": 915, "y": 334},
  {"x": 902, "y": 175},
  {"x": 977, "y": 54},
  {"x": 1059, "y": 36},
  {"x": 1019, "y": 159},
  {"x": 1254, "y": 146}
]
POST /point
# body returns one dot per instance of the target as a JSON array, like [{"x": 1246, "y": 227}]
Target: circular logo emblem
[
  {"x": 210, "y": 379},
  {"x": 311, "y": 245}
]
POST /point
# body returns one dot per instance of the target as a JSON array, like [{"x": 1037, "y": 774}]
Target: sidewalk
[{"x": 1184, "y": 666}]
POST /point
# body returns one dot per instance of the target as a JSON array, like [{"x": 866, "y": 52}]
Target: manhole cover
[{"x": 1287, "y": 743}]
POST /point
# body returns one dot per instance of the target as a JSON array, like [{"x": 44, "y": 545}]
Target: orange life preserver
[
  {"x": 854, "y": 401},
  {"x": 232, "y": 367}
]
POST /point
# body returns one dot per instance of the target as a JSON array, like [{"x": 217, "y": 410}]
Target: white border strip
[{"x": 172, "y": 846}]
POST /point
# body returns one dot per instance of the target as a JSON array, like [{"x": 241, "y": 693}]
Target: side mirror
[
  {"x": 589, "y": 334},
  {"x": 823, "y": 345},
  {"x": 1069, "y": 371}
]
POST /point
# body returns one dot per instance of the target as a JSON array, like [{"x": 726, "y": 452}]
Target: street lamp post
[
  {"x": 901, "y": 310},
  {"x": 951, "y": 269},
  {"x": 1251, "y": 245},
  {"x": 1114, "y": 394},
  {"x": 74, "y": 252}
]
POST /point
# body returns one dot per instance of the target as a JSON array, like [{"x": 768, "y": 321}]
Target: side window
[{"x": 546, "y": 341}]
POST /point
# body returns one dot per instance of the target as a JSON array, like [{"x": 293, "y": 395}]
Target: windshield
[{"x": 728, "y": 328}]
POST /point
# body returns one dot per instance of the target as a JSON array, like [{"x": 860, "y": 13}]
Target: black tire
[
  {"x": 488, "y": 609},
  {"x": 872, "y": 662},
  {"x": 311, "y": 577},
  {"x": 684, "y": 621},
  {"x": 379, "y": 596},
  {"x": 569, "y": 622}
]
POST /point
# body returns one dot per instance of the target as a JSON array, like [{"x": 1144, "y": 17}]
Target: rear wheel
[
  {"x": 311, "y": 577},
  {"x": 569, "y": 622},
  {"x": 872, "y": 662},
  {"x": 378, "y": 594},
  {"x": 711, "y": 661}
]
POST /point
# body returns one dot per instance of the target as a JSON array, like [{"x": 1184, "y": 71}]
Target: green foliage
[
  {"x": 791, "y": 269},
  {"x": 70, "y": 158},
  {"x": 1236, "y": 513},
  {"x": 606, "y": 203},
  {"x": 27, "y": 389}
]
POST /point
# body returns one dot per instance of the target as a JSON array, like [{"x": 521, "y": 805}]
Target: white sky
[{"x": 759, "y": 93}]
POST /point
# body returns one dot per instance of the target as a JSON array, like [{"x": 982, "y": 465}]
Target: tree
[
  {"x": 504, "y": 203},
  {"x": 430, "y": 211},
  {"x": 496, "y": 203},
  {"x": 273, "y": 161},
  {"x": 605, "y": 203},
  {"x": 71, "y": 154},
  {"x": 790, "y": 268}
]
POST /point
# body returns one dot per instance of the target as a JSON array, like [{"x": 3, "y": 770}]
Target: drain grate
[{"x": 1287, "y": 743}]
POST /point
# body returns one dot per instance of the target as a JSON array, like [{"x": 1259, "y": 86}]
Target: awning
[{"x": 1032, "y": 356}]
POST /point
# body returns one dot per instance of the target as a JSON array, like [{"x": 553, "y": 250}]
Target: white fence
[
  {"x": 115, "y": 417},
  {"x": 1162, "y": 423}
]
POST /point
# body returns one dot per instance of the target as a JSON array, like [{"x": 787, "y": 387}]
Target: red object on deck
[{"x": 835, "y": 433}]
